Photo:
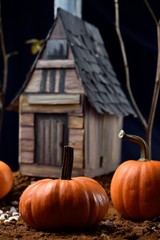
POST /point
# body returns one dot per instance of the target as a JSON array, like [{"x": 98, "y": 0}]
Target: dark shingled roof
[{"x": 94, "y": 68}]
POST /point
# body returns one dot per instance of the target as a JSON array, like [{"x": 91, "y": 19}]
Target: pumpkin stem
[
  {"x": 138, "y": 140},
  {"x": 67, "y": 164}
]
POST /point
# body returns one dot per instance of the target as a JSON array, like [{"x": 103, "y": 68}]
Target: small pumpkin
[
  {"x": 6, "y": 179},
  {"x": 135, "y": 185},
  {"x": 64, "y": 203}
]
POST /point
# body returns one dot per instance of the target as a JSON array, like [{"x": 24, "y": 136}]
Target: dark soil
[{"x": 112, "y": 227}]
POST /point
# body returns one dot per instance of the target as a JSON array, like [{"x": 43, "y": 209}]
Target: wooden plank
[
  {"x": 34, "y": 83},
  {"x": 58, "y": 31},
  {"x": 90, "y": 172},
  {"x": 39, "y": 135},
  {"x": 72, "y": 83},
  {"x": 54, "y": 99},
  {"x": 102, "y": 132},
  {"x": 26, "y": 145},
  {"x": 26, "y": 133},
  {"x": 59, "y": 141},
  {"x": 54, "y": 172},
  {"x": 50, "y": 109},
  {"x": 27, "y": 119},
  {"x": 93, "y": 138},
  {"x": 26, "y": 157},
  {"x": 76, "y": 138},
  {"x": 92, "y": 141},
  {"x": 46, "y": 141},
  {"x": 112, "y": 150},
  {"x": 70, "y": 53},
  {"x": 26, "y": 107},
  {"x": 53, "y": 147},
  {"x": 46, "y": 171},
  {"x": 50, "y": 138},
  {"x": 47, "y": 80},
  {"x": 75, "y": 122},
  {"x": 69, "y": 63},
  {"x": 78, "y": 158}
]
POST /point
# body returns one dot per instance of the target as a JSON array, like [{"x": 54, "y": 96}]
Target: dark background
[{"x": 23, "y": 20}]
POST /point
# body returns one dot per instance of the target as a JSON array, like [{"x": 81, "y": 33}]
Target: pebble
[
  {"x": 12, "y": 209},
  {"x": 9, "y": 216},
  {"x": 14, "y": 203}
]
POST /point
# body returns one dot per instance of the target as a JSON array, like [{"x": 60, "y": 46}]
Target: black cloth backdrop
[{"x": 23, "y": 20}]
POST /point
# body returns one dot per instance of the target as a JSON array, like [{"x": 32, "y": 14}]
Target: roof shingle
[{"x": 99, "y": 80}]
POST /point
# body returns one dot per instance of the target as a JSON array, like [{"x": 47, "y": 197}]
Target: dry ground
[{"x": 112, "y": 227}]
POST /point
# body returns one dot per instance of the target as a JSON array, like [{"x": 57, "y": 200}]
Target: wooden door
[{"x": 51, "y": 135}]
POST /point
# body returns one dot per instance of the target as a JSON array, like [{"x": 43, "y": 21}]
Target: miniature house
[{"x": 71, "y": 96}]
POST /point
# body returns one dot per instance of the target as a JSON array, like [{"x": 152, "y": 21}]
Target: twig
[
  {"x": 148, "y": 125},
  {"x": 151, "y": 12},
  {"x": 5, "y": 57},
  {"x": 5, "y": 69},
  {"x": 156, "y": 85},
  {"x": 126, "y": 64},
  {"x": 155, "y": 94}
]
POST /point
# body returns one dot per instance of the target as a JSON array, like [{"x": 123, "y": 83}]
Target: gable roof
[{"x": 93, "y": 66}]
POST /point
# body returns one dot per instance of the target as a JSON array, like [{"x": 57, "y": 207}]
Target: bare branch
[
  {"x": 149, "y": 124},
  {"x": 5, "y": 58},
  {"x": 155, "y": 94},
  {"x": 151, "y": 12},
  {"x": 126, "y": 64}
]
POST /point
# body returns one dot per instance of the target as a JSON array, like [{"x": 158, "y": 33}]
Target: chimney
[{"x": 72, "y": 6}]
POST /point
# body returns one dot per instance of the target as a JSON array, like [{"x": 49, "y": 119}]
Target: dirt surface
[{"x": 112, "y": 227}]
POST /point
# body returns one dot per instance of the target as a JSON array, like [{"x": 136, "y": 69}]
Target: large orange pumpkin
[
  {"x": 135, "y": 186},
  {"x": 6, "y": 179},
  {"x": 64, "y": 203}
]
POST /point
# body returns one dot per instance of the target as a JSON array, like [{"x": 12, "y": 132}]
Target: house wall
[
  {"x": 76, "y": 139},
  {"x": 27, "y": 145},
  {"x": 26, "y": 138},
  {"x": 102, "y": 145},
  {"x": 97, "y": 148}
]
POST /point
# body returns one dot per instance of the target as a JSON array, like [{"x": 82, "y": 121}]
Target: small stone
[
  {"x": 13, "y": 218},
  {"x": 1, "y": 211},
  {"x": 12, "y": 209},
  {"x": 14, "y": 203},
  {"x": 6, "y": 221},
  {"x": 15, "y": 214},
  {"x": 4, "y": 216},
  {"x": 32, "y": 182}
]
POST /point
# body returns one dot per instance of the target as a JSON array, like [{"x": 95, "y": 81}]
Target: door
[{"x": 51, "y": 135}]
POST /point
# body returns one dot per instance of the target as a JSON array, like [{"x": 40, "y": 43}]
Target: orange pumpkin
[
  {"x": 64, "y": 203},
  {"x": 6, "y": 179},
  {"x": 135, "y": 186}
]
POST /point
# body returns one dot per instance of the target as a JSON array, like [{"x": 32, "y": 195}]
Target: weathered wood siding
[
  {"x": 50, "y": 137},
  {"x": 111, "y": 142},
  {"x": 76, "y": 140},
  {"x": 29, "y": 126},
  {"x": 43, "y": 108},
  {"x": 102, "y": 145},
  {"x": 26, "y": 138},
  {"x": 51, "y": 81}
]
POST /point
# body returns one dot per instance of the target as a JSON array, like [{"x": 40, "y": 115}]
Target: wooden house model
[{"x": 71, "y": 96}]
